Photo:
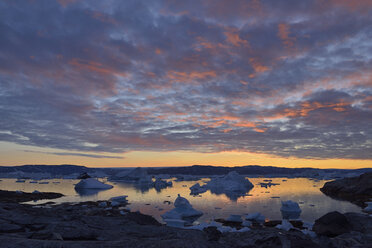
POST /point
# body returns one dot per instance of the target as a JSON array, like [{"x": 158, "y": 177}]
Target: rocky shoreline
[
  {"x": 19, "y": 196},
  {"x": 97, "y": 224},
  {"x": 357, "y": 190}
]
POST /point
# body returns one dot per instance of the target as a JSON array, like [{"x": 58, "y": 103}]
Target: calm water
[{"x": 305, "y": 191}]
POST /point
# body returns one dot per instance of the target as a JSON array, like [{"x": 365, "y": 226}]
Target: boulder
[
  {"x": 332, "y": 224},
  {"x": 212, "y": 233}
]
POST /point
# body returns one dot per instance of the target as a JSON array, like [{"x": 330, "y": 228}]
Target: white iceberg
[
  {"x": 197, "y": 189},
  {"x": 247, "y": 223},
  {"x": 258, "y": 217},
  {"x": 161, "y": 184},
  {"x": 368, "y": 208},
  {"x": 183, "y": 209},
  {"x": 235, "y": 218},
  {"x": 233, "y": 185},
  {"x": 175, "y": 222},
  {"x": 244, "y": 229},
  {"x": 290, "y": 210},
  {"x": 118, "y": 199},
  {"x": 286, "y": 225},
  {"x": 92, "y": 183}
]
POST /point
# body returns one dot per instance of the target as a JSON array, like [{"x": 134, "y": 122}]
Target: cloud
[
  {"x": 75, "y": 154},
  {"x": 277, "y": 77}
]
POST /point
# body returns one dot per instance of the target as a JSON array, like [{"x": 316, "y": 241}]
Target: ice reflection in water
[{"x": 266, "y": 200}]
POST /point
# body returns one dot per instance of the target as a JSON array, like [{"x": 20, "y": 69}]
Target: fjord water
[{"x": 305, "y": 191}]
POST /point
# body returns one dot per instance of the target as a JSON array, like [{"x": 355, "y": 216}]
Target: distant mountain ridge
[
  {"x": 195, "y": 170},
  {"x": 63, "y": 169},
  {"x": 200, "y": 170}
]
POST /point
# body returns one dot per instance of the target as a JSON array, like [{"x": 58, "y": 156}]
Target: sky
[{"x": 170, "y": 83}]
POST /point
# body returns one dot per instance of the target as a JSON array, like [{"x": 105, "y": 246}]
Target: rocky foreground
[
  {"x": 97, "y": 224},
  {"x": 355, "y": 189}
]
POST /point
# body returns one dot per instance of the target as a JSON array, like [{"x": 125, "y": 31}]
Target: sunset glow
[{"x": 177, "y": 83}]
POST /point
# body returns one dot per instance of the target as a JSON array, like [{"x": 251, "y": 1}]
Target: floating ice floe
[
  {"x": 175, "y": 222},
  {"x": 268, "y": 184},
  {"x": 244, "y": 229},
  {"x": 102, "y": 204},
  {"x": 183, "y": 209},
  {"x": 247, "y": 223},
  {"x": 197, "y": 189},
  {"x": 368, "y": 209},
  {"x": 232, "y": 185},
  {"x": 187, "y": 178},
  {"x": 286, "y": 225},
  {"x": 161, "y": 184},
  {"x": 290, "y": 210},
  {"x": 235, "y": 218},
  {"x": 258, "y": 217},
  {"x": 92, "y": 183},
  {"x": 118, "y": 200},
  {"x": 309, "y": 233}
]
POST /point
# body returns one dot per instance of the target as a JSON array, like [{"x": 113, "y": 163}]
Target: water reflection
[
  {"x": 232, "y": 195},
  {"x": 88, "y": 192},
  {"x": 312, "y": 202}
]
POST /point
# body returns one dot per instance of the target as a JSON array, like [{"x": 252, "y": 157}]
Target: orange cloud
[
  {"x": 190, "y": 76},
  {"x": 82, "y": 64},
  {"x": 64, "y": 3},
  {"x": 283, "y": 34},
  {"x": 257, "y": 66},
  {"x": 232, "y": 36}
]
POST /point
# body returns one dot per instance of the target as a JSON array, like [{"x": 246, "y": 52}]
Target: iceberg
[
  {"x": 290, "y": 210},
  {"x": 183, "y": 209},
  {"x": 257, "y": 217},
  {"x": 286, "y": 225},
  {"x": 175, "y": 222},
  {"x": 235, "y": 218},
  {"x": 136, "y": 175},
  {"x": 197, "y": 189},
  {"x": 118, "y": 199},
  {"x": 368, "y": 209},
  {"x": 92, "y": 183},
  {"x": 247, "y": 223},
  {"x": 161, "y": 184},
  {"x": 233, "y": 185}
]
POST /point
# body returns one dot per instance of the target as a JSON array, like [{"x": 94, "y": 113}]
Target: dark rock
[
  {"x": 272, "y": 223},
  {"x": 300, "y": 242},
  {"x": 142, "y": 219},
  {"x": 12, "y": 196},
  {"x": 6, "y": 227},
  {"x": 84, "y": 175},
  {"x": 355, "y": 189},
  {"x": 271, "y": 241},
  {"x": 360, "y": 222},
  {"x": 234, "y": 224},
  {"x": 212, "y": 233},
  {"x": 332, "y": 224}
]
